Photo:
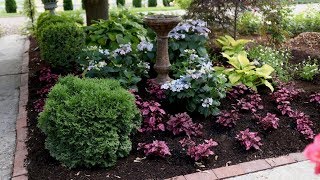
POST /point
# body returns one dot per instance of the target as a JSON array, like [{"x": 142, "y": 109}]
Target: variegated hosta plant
[
  {"x": 245, "y": 72},
  {"x": 231, "y": 46}
]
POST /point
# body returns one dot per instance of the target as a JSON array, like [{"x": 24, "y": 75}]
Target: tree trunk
[{"x": 96, "y": 9}]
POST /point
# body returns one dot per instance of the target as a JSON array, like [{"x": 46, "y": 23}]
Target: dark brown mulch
[{"x": 285, "y": 140}]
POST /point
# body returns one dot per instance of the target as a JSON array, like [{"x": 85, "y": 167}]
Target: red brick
[
  {"x": 18, "y": 166},
  {"x": 253, "y": 166},
  {"x": 298, "y": 157},
  {"x": 279, "y": 161},
  {"x": 205, "y": 175},
  {"x": 22, "y": 134},
  {"x": 21, "y": 123},
  {"x": 230, "y": 171},
  {"x": 20, "y": 146},
  {"x": 177, "y": 178},
  {"x": 22, "y": 177}
]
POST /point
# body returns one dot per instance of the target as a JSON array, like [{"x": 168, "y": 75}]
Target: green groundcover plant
[{"x": 88, "y": 122}]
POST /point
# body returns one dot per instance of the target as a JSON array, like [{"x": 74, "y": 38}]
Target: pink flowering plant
[
  {"x": 200, "y": 151},
  {"x": 182, "y": 123},
  {"x": 156, "y": 148},
  {"x": 312, "y": 152},
  {"x": 249, "y": 139}
]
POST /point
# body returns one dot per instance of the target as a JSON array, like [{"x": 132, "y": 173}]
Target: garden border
[
  {"x": 243, "y": 168},
  {"x": 20, "y": 171}
]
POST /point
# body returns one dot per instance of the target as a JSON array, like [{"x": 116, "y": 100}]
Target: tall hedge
[
  {"x": 136, "y": 3},
  {"x": 88, "y": 122},
  {"x": 60, "y": 41},
  {"x": 67, "y": 5},
  {"x": 11, "y": 6},
  {"x": 121, "y": 2},
  {"x": 152, "y": 3}
]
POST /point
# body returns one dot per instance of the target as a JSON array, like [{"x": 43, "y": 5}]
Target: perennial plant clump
[
  {"x": 156, "y": 148},
  {"x": 249, "y": 139},
  {"x": 154, "y": 89},
  {"x": 200, "y": 151},
  {"x": 238, "y": 91},
  {"x": 304, "y": 124},
  {"x": 251, "y": 103},
  {"x": 315, "y": 98},
  {"x": 228, "y": 118},
  {"x": 182, "y": 123},
  {"x": 269, "y": 121}
]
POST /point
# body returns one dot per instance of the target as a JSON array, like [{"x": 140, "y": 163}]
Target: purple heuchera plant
[
  {"x": 156, "y": 148},
  {"x": 315, "y": 98},
  {"x": 228, "y": 118},
  {"x": 155, "y": 89},
  {"x": 239, "y": 90},
  {"x": 199, "y": 151},
  {"x": 270, "y": 121},
  {"x": 251, "y": 103},
  {"x": 182, "y": 122},
  {"x": 304, "y": 124},
  {"x": 249, "y": 139},
  {"x": 153, "y": 116}
]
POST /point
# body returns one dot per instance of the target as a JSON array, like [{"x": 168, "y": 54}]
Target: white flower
[
  {"x": 145, "y": 46},
  {"x": 104, "y": 52},
  {"x": 102, "y": 64},
  {"x": 123, "y": 50},
  {"x": 207, "y": 102}
]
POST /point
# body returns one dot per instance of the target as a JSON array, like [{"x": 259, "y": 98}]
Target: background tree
[
  {"x": 96, "y": 9},
  {"x": 67, "y": 5},
  {"x": 11, "y": 6},
  {"x": 29, "y": 9}
]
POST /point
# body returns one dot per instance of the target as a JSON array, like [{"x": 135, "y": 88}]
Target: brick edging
[
  {"x": 243, "y": 168},
  {"x": 19, "y": 170}
]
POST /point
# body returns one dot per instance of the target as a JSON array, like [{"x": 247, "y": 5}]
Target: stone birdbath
[
  {"x": 162, "y": 25},
  {"x": 50, "y": 5}
]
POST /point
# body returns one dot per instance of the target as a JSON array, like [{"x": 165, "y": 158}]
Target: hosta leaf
[
  {"x": 268, "y": 84},
  {"x": 243, "y": 60},
  {"x": 234, "y": 78},
  {"x": 264, "y": 71}
]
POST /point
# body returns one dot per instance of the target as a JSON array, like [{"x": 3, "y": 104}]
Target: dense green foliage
[
  {"x": 10, "y": 6},
  {"x": 29, "y": 9},
  {"x": 249, "y": 23},
  {"x": 88, "y": 122},
  {"x": 60, "y": 40},
  {"x": 152, "y": 3},
  {"x": 308, "y": 69},
  {"x": 67, "y": 5},
  {"x": 109, "y": 34},
  {"x": 136, "y": 3},
  {"x": 308, "y": 21},
  {"x": 184, "y": 4},
  {"x": 121, "y": 2}
]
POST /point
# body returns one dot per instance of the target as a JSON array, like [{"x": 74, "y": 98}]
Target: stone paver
[
  {"x": 11, "y": 50},
  {"x": 297, "y": 171}
]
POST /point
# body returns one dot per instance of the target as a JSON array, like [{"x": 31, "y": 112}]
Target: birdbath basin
[{"x": 162, "y": 25}]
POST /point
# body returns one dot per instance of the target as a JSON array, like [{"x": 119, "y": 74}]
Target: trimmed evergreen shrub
[
  {"x": 121, "y": 2},
  {"x": 88, "y": 121},
  {"x": 152, "y": 3},
  {"x": 67, "y": 5},
  {"x": 136, "y": 3},
  {"x": 11, "y": 6},
  {"x": 60, "y": 43}
]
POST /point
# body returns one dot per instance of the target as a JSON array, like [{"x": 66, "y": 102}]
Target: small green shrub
[
  {"x": 183, "y": 4},
  {"x": 308, "y": 21},
  {"x": 60, "y": 43},
  {"x": 136, "y": 3},
  {"x": 88, "y": 122},
  {"x": 67, "y": 5},
  {"x": 152, "y": 3},
  {"x": 11, "y": 6},
  {"x": 74, "y": 16},
  {"x": 249, "y": 23},
  {"x": 121, "y": 2},
  {"x": 307, "y": 70}
]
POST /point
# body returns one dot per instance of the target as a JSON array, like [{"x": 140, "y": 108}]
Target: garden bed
[{"x": 286, "y": 139}]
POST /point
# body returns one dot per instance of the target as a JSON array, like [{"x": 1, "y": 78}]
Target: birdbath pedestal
[{"x": 162, "y": 25}]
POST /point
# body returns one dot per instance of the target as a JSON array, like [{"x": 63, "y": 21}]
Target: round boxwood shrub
[
  {"x": 60, "y": 43},
  {"x": 136, "y": 3},
  {"x": 88, "y": 121},
  {"x": 152, "y": 3},
  {"x": 67, "y": 5},
  {"x": 11, "y": 6},
  {"x": 121, "y": 2}
]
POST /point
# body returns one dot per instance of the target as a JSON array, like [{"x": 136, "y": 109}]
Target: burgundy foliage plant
[
  {"x": 251, "y": 103},
  {"x": 304, "y": 124},
  {"x": 182, "y": 123},
  {"x": 237, "y": 91},
  {"x": 199, "y": 151},
  {"x": 249, "y": 139},
  {"x": 228, "y": 118},
  {"x": 154, "y": 89},
  {"x": 156, "y": 148},
  {"x": 315, "y": 98},
  {"x": 270, "y": 121}
]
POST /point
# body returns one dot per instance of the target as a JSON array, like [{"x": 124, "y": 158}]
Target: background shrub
[
  {"x": 88, "y": 121},
  {"x": 11, "y": 6},
  {"x": 60, "y": 44},
  {"x": 308, "y": 21},
  {"x": 121, "y": 2},
  {"x": 152, "y": 3},
  {"x": 67, "y": 5},
  {"x": 184, "y": 4},
  {"x": 136, "y": 3},
  {"x": 249, "y": 23}
]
